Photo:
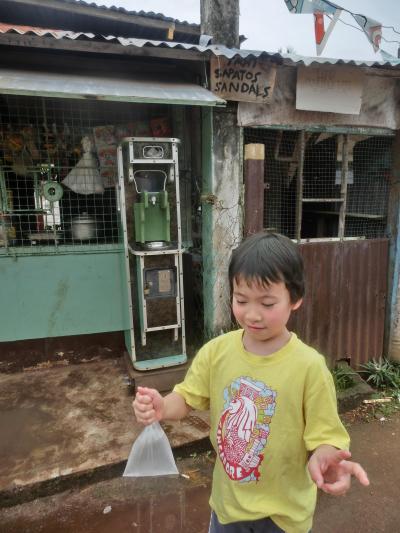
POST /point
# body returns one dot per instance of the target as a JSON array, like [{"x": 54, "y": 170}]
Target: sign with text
[
  {"x": 332, "y": 90},
  {"x": 243, "y": 80}
]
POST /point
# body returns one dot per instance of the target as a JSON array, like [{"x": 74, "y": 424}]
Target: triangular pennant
[
  {"x": 311, "y": 6},
  {"x": 372, "y": 29},
  {"x": 322, "y": 36},
  {"x": 389, "y": 57}
]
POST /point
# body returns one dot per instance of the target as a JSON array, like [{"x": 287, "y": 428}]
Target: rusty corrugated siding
[{"x": 343, "y": 312}]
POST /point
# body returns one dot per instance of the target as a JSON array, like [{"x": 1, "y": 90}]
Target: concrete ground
[
  {"x": 179, "y": 504},
  {"x": 66, "y": 434},
  {"x": 64, "y": 423}
]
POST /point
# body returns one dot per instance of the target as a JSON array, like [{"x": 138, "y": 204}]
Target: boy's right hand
[{"x": 148, "y": 405}]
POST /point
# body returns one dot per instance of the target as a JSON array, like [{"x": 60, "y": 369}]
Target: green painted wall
[{"x": 56, "y": 295}]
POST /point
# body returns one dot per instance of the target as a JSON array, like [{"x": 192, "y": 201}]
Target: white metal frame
[{"x": 141, "y": 254}]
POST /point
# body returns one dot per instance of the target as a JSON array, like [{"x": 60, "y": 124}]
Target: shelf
[
  {"x": 161, "y": 362},
  {"x": 321, "y": 200},
  {"x": 161, "y": 251},
  {"x": 351, "y": 215},
  {"x": 153, "y": 161},
  {"x": 162, "y": 328},
  {"x": 24, "y": 211}
]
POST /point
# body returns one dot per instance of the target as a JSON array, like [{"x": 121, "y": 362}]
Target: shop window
[
  {"x": 58, "y": 170},
  {"x": 325, "y": 185}
]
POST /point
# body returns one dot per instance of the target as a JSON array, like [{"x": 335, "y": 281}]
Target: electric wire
[
  {"x": 362, "y": 31},
  {"x": 331, "y": 4}
]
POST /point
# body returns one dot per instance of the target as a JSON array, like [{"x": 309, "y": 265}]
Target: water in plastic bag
[{"x": 151, "y": 454}]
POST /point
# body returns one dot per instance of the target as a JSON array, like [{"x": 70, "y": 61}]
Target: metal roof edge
[
  {"x": 99, "y": 10},
  {"x": 296, "y": 59},
  {"x": 216, "y": 50}
]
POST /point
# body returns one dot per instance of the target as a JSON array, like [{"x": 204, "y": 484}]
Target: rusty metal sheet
[{"x": 343, "y": 313}]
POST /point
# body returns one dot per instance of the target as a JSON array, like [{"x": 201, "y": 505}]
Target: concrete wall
[{"x": 222, "y": 213}]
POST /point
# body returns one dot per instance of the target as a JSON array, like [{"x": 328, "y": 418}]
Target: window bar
[
  {"x": 343, "y": 186},
  {"x": 299, "y": 194}
]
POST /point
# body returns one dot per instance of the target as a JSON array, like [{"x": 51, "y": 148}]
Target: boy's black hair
[{"x": 269, "y": 258}]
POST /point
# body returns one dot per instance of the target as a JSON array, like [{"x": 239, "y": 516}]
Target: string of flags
[{"x": 371, "y": 28}]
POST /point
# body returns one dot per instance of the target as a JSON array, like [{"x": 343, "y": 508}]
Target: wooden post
[
  {"x": 343, "y": 186},
  {"x": 254, "y": 159},
  {"x": 299, "y": 186},
  {"x": 220, "y": 19}
]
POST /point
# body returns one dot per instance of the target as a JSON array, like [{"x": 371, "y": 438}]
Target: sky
[{"x": 269, "y": 26}]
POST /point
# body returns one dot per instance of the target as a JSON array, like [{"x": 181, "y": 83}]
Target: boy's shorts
[{"x": 264, "y": 525}]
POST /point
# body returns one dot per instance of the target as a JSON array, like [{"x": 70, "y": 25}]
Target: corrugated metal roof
[
  {"x": 70, "y": 15},
  {"x": 297, "y": 59},
  {"x": 217, "y": 50},
  {"x": 146, "y": 14},
  {"x": 45, "y": 32}
]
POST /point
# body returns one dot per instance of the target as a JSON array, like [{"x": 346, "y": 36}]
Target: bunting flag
[
  {"x": 311, "y": 6},
  {"x": 318, "y": 8},
  {"x": 389, "y": 57},
  {"x": 372, "y": 29},
  {"x": 322, "y": 36}
]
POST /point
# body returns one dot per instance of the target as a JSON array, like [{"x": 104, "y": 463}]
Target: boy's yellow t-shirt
[{"x": 267, "y": 413}]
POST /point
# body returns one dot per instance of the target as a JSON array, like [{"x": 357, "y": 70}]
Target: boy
[{"x": 273, "y": 412}]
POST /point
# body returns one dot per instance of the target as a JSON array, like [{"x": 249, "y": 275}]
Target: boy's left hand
[{"x": 331, "y": 471}]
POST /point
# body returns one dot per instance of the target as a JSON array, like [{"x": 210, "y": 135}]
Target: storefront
[
  {"x": 328, "y": 179},
  {"x": 62, "y": 242}
]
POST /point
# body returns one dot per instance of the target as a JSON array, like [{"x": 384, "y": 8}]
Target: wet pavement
[
  {"x": 64, "y": 424},
  {"x": 180, "y": 504},
  {"x": 146, "y": 505}
]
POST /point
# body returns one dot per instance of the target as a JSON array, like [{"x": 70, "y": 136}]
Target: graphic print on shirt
[{"x": 243, "y": 428}]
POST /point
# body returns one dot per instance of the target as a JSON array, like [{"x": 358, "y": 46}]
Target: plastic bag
[
  {"x": 85, "y": 177},
  {"x": 151, "y": 454}
]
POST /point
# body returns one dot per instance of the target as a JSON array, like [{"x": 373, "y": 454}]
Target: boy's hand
[
  {"x": 331, "y": 471},
  {"x": 148, "y": 405}
]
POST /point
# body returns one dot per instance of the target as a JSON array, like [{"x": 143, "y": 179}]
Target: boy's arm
[
  {"x": 332, "y": 472},
  {"x": 150, "y": 406}
]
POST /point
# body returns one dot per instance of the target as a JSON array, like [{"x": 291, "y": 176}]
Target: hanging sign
[{"x": 242, "y": 79}]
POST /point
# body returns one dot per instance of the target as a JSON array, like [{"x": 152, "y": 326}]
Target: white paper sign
[{"x": 329, "y": 90}]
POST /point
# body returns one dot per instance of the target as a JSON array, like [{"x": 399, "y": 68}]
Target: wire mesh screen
[
  {"x": 326, "y": 180},
  {"x": 367, "y": 196},
  {"x": 280, "y": 190},
  {"x": 58, "y": 169}
]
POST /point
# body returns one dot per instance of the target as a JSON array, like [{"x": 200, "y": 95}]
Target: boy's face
[{"x": 262, "y": 311}]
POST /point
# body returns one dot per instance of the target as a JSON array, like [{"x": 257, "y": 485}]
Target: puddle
[{"x": 146, "y": 505}]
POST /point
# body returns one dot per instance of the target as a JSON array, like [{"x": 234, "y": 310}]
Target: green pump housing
[{"x": 152, "y": 217}]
